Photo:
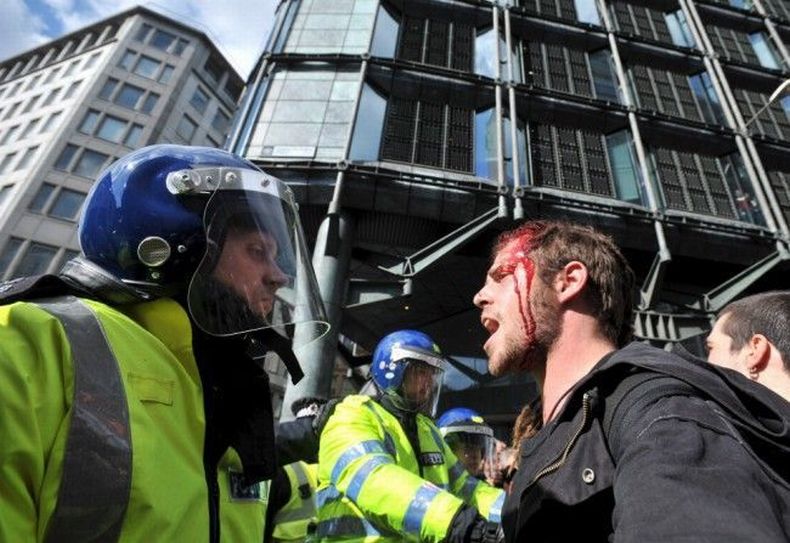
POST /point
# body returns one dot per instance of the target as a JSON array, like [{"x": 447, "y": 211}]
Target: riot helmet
[{"x": 470, "y": 438}]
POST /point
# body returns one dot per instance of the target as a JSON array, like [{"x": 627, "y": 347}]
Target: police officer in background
[
  {"x": 385, "y": 473},
  {"x": 134, "y": 405},
  {"x": 470, "y": 438}
]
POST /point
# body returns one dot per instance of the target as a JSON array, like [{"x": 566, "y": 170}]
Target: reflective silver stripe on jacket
[
  {"x": 97, "y": 463},
  {"x": 307, "y": 507}
]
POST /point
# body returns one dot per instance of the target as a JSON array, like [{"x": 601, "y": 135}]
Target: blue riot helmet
[
  {"x": 210, "y": 224},
  {"x": 470, "y": 438},
  {"x": 408, "y": 367}
]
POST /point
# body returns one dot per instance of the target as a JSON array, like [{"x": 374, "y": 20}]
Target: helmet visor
[
  {"x": 256, "y": 273},
  {"x": 422, "y": 383},
  {"x": 474, "y": 450}
]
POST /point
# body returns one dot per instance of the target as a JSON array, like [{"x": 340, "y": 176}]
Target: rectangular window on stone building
[
  {"x": 162, "y": 40},
  {"x": 31, "y": 103},
  {"x": 150, "y": 102},
  {"x": 36, "y": 260},
  {"x": 39, "y": 202},
  {"x": 50, "y": 97},
  {"x": 67, "y": 204},
  {"x": 31, "y": 126},
  {"x": 52, "y": 75},
  {"x": 6, "y": 162},
  {"x": 10, "y": 250},
  {"x": 88, "y": 124},
  {"x": 167, "y": 73},
  {"x": 90, "y": 163},
  {"x": 9, "y": 136},
  {"x": 127, "y": 59},
  {"x": 5, "y": 192},
  {"x": 71, "y": 90},
  {"x": 129, "y": 96},
  {"x": 220, "y": 122},
  {"x": 27, "y": 157},
  {"x": 133, "y": 136},
  {"x": 111, "y": 129},
  {"x": 12, "y": 111},
  {"x": 147, "y": 67},
  {"x": 186, "y": 128},
  {"x": 50, "y": 122},
  {"x": 199, "y": 100},
  {"x": 213, "y": 69},
  {"x": 66, "y": 156},
  {"x": 142, "y": 34}
]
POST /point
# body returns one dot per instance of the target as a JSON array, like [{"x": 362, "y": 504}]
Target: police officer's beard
[{"x": 228, "y": 312}]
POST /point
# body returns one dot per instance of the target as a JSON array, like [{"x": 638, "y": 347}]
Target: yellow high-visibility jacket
[
  {"x": 370, "y": 488},
  {"x": 167, "y": 495},
  {"x": 291, "y": 522}
]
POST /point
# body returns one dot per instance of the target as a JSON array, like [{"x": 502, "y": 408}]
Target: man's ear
[
  {"x": 759, "y": 353},
  {"x": 571, "y": 281}
]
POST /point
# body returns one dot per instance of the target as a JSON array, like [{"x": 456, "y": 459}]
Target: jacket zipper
[{"x": 560, "y": 460}]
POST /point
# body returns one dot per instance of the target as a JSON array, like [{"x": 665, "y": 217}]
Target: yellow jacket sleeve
[{"x": 366, "y": 461}]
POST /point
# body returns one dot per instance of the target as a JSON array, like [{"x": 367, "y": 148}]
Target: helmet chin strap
[{"x": 261, "y": 341}]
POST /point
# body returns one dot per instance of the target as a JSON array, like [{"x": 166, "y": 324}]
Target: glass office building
[{"x": 414, "y": 131}]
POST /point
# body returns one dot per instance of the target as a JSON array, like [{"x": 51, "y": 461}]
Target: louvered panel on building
[
  {"x": 542, "y": 151},
  {"x": 558, "y": 72},
  {"x": 772, "y": 9},
  {"x": 596, "y": 164},
  {"x": 660, "y": 26},
  {"x": 780, "y": 120},
  {"x": 548, "y": 7},
  {"x": 567, "y": 10},
  {"x": 665, "y": 93},
  {"x": 459, "y": 139},
  {"x": 764, "y": 121},
  {"x": 745, "y": 46},
  {"x": 570, "y": 160},
  {"x": 644, "y": 88},
  {"x": 780, "y": 181},
  {"x": 623, "y": 17},
  {"x": 719, "y": 193},
  {"x": 580, "y": 74},
  {"x": 643, "y": 27},
  {"x": 398, "y": 141},
  {"x": 530, "y": 5},
  {"x": 535, "y": 56},
  {"x": 430, "y": 135},
  {"x": 688, "y": 103},
  {"x": 694, "y": 184},
  {"x": 437, "y": 50},
  {"x": 723, "y": 42},
  {"x": 411, "y": 40},
  {"x": 669, "y": 179},
  {"x": 463, "y": 46},
  {"x": 741, "y": 97}
]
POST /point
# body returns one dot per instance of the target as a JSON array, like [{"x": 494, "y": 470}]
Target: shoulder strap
[
  {"x": 638, "y": 389},
  {"x": 97, "y": 461},
  {"x": 29, "y": 288}
]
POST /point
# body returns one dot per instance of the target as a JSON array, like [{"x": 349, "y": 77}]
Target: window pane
[
  {"x": 108, "y": 88},
  {"x": 129, "y": 96},
  {"x": 199, "y": 100},
  {"x": 678, "y": 29},
  {"x": 586, "y": 12},
  {"x": 36, "y": 260},
  {"x": 89, "y": 163},
  {"x": 603, "y": 76},
  {"x": 41, "y": 198},
  {"x": 623, "y": 166},
  {"x": 65, "y": 157},
  {"x": 485, "y": 144},
  {"x": 112, "y": 129},
  {"x": 9, "y": 252},
  {"x": 91, "y": 62},
  {"x": 162, "y": 40},
  {"x": 50, "y": 97},
  {"x": 186, "y": 128},
  {"x": 213, "y": 69},
  {"x": 143, "y": 32},
  {"x": 71, "y": 90},
  {"x": 167, "y": 72},
  {"x": 133, "y": 137},
  {"x": 67, "y": 204},
  {"x": 31, "y": 103},
  {"x": 221, "y": 121},
  {"x": 6, "y": 162},
  {"x": 385, "y": 35},
  {"x": 367, "y": 132},
  {"x": 52, "y": 75},
  {"x": 763, "y": 50},
  {"x": 31, "y": 126},
  {"x": 180, "y": 46},
  {"x": 5, "y": 192},
  {"x": 150, "y": 102},
  {"x": 24, "y": 162},
  {"x": 9, "y": 136},
  {"x": 88, "y": 124},
  {"x": 127, "y": 59},
  {"x": 485, "y": 54},
  {"x": 147, "y": 67},
  {"x": 51, "y": 121}
]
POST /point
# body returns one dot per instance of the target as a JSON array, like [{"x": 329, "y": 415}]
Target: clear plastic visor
[
  {"x": 256, "y": 273},
  {"x": 476, "y": 451},
  {"x": 421, "y": 386}
]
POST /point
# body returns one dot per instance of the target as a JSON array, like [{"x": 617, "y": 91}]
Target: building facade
[
  {"x": 415, "y": 130},
  {"x": 70, "y": 107}
]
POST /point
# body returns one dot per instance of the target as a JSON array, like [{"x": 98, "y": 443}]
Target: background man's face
[
  {"x": 247, "y": 265},
  {"x": 420, "y": 382},
  {"x": 720, "y": 350}
]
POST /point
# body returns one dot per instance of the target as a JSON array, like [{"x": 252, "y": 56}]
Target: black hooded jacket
[{"x": 657, "y": 446}]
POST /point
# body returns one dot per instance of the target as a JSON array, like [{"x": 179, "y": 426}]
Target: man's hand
[{"x": 469, "y": 527}]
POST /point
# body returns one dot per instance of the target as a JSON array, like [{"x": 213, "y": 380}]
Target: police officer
[
  {"x": 134, "y": 405},
  {"x": 470, "y": 438},
  {"x": 385, "y": 473}
]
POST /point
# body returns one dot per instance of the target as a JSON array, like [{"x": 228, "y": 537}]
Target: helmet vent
[{"x": 153, "y": 251}]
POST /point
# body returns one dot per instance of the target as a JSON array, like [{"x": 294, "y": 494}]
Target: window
[
  {"x": 129, "y": 96},
  {"x": 2, "y": 91},
  {"x": 111, "y": 129},
  {"x": 603, "y": 76},
  {"x": 213, "y": 69},
  {"x": 91, "y": 61},
  {"x": 108, "y": 88},
  {"x": 9, "y": 136},
  {"x": 385, "y": 34},
  {"x": 63, "y": 161},
  {"x": 88, "y": 124},
  {"x": 9, "y": 252},
  {"x": 167, "y": 73},
  {"x": 142, "y": 34},
  {"x": 702, "y": 87},
  {"x": 186, "y": 128},
  {"x": 12, "y": 111},
  {"x": 150, "y": 102},
  {"x": 5, "y": 192},
  {"x": 586, "y": 12},
  {"x": 162, "y": 40},
  {"x": 67, "y": 204},
  {"x": 89, "y": 163},
  {"x": 485, "y": 53},
  {"x": 127, "y": 59},
  {"x": 24, "y": 162},
  {"x": 437, "y": 42},
  {"x": 36, "y": 260},
  {"x": 199, "y": 100},
  {"x": 50, "y": 97},
  {"x": 71, "y": 68},
  {"x": 52, "y": 75},
  {"x": 181, "y": 44},
  {"x": 31, "y": 126},
  {"x": 6, "y": 162},
  {"x": 763, "y": 51},
  {"x": 51, "y": 121},
  {"x": 147, "y": 67},
  {"x": 33, "y": 81},
  {"x": 71, "y": 90},
  {"x": 133, "y": 136},
  {"x": 39, "y": 202},
  {"x": 31, "y": 103},
  {"x": 68, "y": 254},
  {"x": 221, "y": 121}
]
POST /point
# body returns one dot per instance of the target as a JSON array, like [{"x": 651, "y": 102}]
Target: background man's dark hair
[
  {"x": 767, "y": 313},
  {"x": 610, "y": 288}
]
